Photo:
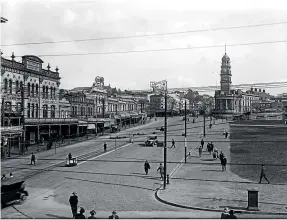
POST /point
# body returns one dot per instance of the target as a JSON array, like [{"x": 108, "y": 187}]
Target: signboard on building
[{"x": 33, "y": 65}]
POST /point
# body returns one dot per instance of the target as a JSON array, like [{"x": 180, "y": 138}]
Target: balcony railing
[{"x": 50, "y": 120}]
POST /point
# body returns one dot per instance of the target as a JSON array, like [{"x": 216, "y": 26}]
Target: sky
[{"x": 41, "y": 21}]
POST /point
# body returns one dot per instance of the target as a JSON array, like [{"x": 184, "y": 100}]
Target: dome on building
[{"x": 225, "y": 58}]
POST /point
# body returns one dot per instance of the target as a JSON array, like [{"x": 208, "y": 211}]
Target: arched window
[
  {"x": 37, "y": 89},
  {"x": 45, "y": 111},
  {"x": 51, "y": 91},
  {"x": 73, "y": 110},
  {"x": 17, "y": 87},
  {"x": 28, "y": 110},
  {"x": 52, "y": 111},
  {"x": 5, "y": 85},
  {"x": 43, "y": 92},
  {"x": 37, "y": 110},
  {"x": 10, "y": 86},
  {"x": 8, "y": 106},
  {"x": 28, "y": 89},
  {"x": 54, "y": 92},
  {"x": 32, "y": 90},
  {"x": 76, "y": 111},
  {"x": 47, "y": 92},
  {"x": 18, "y": 106},
  {"x": 33, "y": 109}
]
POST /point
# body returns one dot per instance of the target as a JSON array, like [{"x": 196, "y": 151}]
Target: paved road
[{"x": 108, "y": 181}]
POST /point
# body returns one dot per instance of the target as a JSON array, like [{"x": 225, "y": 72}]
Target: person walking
[
  {"x": 210, "y": 126},
  {"x": 172, "y": 143},
  {"x": 74, "y": 203},
  {"x": 223, "y": 163},
  {"x": 263, "y": 174},
  {"x": 199, "y": 151},
  {"x": 146, "y": 167},
  {"x": 105, "y": 147},
  {"x": 221, "y": 155},
  {"x": 114, "y": 215},
  {"x": 33, "y": 159},
  {"x": 161, "y": 170},
  {"x": 226, "y": 134},
  {"x": 202, "y": 142},
  {"x": 81, "y": 214},
  {"x": 93, "y": 212}
]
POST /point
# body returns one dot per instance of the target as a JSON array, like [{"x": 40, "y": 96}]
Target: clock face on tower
[{"x": 225, "y": 78}]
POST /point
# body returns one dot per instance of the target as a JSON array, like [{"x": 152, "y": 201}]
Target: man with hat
[
  {"x": 114, "y": 215},
  {"x": 93, "y": 212},
  {"x": 225, "y": 214},
  {"x": 81, "y": 214},
  {"x": 74, "y": 203}
]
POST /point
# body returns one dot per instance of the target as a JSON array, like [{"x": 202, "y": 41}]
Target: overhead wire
[{"x": 148, "y": 35}]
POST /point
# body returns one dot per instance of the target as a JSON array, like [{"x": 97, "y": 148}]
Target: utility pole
[
  {"x": 204, "y": 124},
  {"x": 165, "y": 139},
  {"x": 23, "y": 118},
  {"x": 185, "y": 115}
]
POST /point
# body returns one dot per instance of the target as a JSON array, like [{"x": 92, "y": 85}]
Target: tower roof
[{"x": 225, "y": 58}]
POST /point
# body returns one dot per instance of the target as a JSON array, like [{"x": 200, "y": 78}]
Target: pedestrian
[
  {"x": 210, "y": 125},
  {"x": 81, "y": 214},
  {"x": 226, "y": 134},
  {"x": 221, "y": 155},
  {"x": 63, "y": 140},
  {"x": 3, "y": 177},
  {"x": 193, "y": 121},
  {"x": 212, "y": 146},
  {"x": 11, "y": 175},
  {"x": 114, "y": 215},
  {"x": 215, "y": 153},
  {"x": 263, "y": 174},
  {"x": 93, "y": 212},
  {"x": 231, "y": 215},
  {"x": 161, "y": 170},
  {"x": 33, "y": 159},
  {"x": 42, "y": 140},
  {"x": 199, "y": 151},
  {"x": 223, "y": 163},
  {"x": 202, "y": 142},
  {"x": 105, "y": 147},
  {"x": 146, "y": 167},
  {"x": 172, "y": 143},
  {"x": 225, "y": 214},
  {"x": 70, "y": 156},
  {"x": 74, "y": 203}
]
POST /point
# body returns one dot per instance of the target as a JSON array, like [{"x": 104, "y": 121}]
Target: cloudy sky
[{"x": 42, "y": 21}]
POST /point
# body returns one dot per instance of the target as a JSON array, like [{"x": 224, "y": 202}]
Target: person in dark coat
[
  {"x": 114, "y": 215},
  {"x": 223, "y": 163},
  {"x": 202, "y": 143},
  {"x": 221, "y": 155},
  {"x": 70, "y": 156},
  {"x": 263, "y": 174},
  {"x": 81, "y": 214},
  {"x": 74, "y": 203},
  {"x": 146, "y": 167},
  {"x": 93, "y": 212},
  {"x": 226, "y": 134},
  {"x": 225, "y": 214},
  {"x": 172, "y": 143},
  {"x": 105, "y": 147},
  {"x": 33, "y": 159}
]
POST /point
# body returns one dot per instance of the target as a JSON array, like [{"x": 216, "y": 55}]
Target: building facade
[{"x": 28, "y": 83}]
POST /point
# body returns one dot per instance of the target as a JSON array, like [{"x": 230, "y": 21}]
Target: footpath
[{"x": 200, "y": 184}]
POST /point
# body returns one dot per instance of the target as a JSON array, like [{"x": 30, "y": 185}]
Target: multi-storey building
[
  {"x": 38, "y": 89},
  {"x": 157, "y": 105}
]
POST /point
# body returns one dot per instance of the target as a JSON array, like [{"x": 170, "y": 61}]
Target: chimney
[
  {"x": 264, "y": 90},
  {"x": 259, "y": 90},
  {"x": 251, "y": 89},
  {"x": 255, "y": 89}
]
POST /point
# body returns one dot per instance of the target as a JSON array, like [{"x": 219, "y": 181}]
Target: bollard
[
  {"x": 253, "y": 200},
  {"x": 167, "y": 178}
]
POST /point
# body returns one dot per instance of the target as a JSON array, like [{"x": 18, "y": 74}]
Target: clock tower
[{"x": 225, "y": 75}]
